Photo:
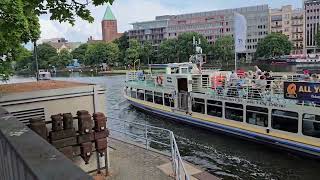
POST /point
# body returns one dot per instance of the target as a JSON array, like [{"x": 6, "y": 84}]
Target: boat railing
[
  {"x": 249, "y": 89},
  {"x": 152, "y": 137}
]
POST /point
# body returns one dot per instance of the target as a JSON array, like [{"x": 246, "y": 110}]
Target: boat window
[
  {"x": 149, "y": 96},
  {"x": 234, "y": 112},
  {"x": 311, "y": 125},
  {"x": 257, "y": 116},
  {"x": 158, "y": 98},
  {"x": 168, "y": 100},
  {"x": 198, "y": 105},
  {"x": 285, "y": 120},
  {"x": 214, "y": 108},
  {"x": 140, "y": 94},
  {"x": 133, "y": 93}
]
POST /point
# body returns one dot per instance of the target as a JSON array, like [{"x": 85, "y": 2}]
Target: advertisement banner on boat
[{"x": 303, "y": 91}]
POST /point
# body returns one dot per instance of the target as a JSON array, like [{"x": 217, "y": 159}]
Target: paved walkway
[{"x": 131, "y": 162}]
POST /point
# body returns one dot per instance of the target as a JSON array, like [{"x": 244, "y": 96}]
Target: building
[
  {"x": 109, "y": 26},
  {"x": 61, "y": 43},
  {"x": 212, "y": 25},
  {"x": 289, "y": 22},
  {"x": 153, "y": 31},
  {"x": 312, "y": 20}
]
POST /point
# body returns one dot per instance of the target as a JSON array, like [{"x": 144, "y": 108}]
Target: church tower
[{"x": 109, "y": 26}]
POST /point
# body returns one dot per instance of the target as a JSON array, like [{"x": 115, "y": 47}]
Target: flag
[{"x": 240, "y": 32}]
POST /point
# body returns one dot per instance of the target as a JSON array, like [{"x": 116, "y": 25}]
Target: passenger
[
  {"x": 314, "y": 78},
  {"x": 258, "y": 71},
  {"x": 261, "y": 83},
  {"x": 269, "y": 79},
  {"x": 233, "y": 78}
]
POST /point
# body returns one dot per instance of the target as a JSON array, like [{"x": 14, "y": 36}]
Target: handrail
[{"x": 178, "y": 168}]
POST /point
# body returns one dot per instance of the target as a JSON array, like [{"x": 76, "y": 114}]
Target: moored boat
[{"x": 281, "y": 111}]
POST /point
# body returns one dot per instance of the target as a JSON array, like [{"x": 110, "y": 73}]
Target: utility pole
[{"x": 36, "y": 58}]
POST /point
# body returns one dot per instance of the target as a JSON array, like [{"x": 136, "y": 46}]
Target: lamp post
[{"x": 36, "y": 58}]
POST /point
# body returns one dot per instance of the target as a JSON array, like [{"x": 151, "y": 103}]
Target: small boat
[
  {"x": 283, "y": 112},
  {"x": 44, "y": 75}
]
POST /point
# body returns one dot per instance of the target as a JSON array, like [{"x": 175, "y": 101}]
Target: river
[{"x": 222, "y": 155}]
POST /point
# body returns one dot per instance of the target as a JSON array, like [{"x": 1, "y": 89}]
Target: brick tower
[{"x": 109, "y": 26}]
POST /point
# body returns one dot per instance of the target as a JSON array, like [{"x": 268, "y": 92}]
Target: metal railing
[{"x": 148, "y": 134}]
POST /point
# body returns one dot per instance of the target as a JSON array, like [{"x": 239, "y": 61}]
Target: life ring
[{"x": 159, "y": 80}]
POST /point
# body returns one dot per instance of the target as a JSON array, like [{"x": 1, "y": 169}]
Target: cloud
[{"x": 129, "y": 11}]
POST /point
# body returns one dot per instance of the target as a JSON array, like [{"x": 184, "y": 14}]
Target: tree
[
  {"x": 168, "y": 51},
  {"x": 133, "y": 52},
  {"x": 99, "y": 53},
  {"x": 24, "y": 60},
  {"x": 64, "y": 59},
  {"x": 123, "y": 44},
  {"x": 274, "y": 44},
  {"x": 147, "y": 52},
  {"x": 96, "y": 54},
  {"x": 45, "y": 52},
  {"x": 112, "y": 53},
  {"x": 19, "y": 22},
  {"x": 185, "y": 45},
  {"x": 223, "y": 49},
  {"x": 80, "y": 53}
]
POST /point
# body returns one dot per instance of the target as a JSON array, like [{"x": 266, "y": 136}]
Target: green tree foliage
[
  {"x": 112, "y": 53},
  {"x": 80, "y": 52},
  {"x": 101, "y": 52},
  {"x": 24, "y": 60},
  {"x": 133, "y": 52},
  {"x": 223, "y": 49},
  {"x": 185, "y": 45},
  {"x": 274, "y": 44},
  {"x": 45, "y": 55},
  {"x": 147, "y": 52},
  {"x": 19, "y": 22},
  {"x": 168, "y": 50},
  {"x": 63, "y": 59},
  {"x": 123, "y": 44}
]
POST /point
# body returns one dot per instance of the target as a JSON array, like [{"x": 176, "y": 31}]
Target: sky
[{"x": 129, "y": 11}]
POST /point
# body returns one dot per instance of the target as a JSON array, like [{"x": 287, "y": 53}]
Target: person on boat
[
  {"x": 314, "y": 78},
  {"x": 269, "y": 79},
  {"x": 233, "y": 78},
  {"x": 258, "y": 70}
]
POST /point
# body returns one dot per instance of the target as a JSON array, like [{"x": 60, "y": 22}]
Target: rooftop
[
  {"x": 37, "y": 86},
  {"x": 108, "y": 15}
]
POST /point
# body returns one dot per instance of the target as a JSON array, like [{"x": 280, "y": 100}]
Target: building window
[
  {"x": 168, "y": 100},
  {"x": 149, "y": 96},
  {"x": 133, "y": 93},
  {"x": 285, "y": 120},
  {"x": 140, "y": 94},
  {"x": 234, "y": 112},
  {"x": 158, "y": 98},
  {"x": 257, "y": 116},
  {"x": 311, "y": 125},
  {"x": 214, "y": 108},
  {"x": 198, "y": 105}
]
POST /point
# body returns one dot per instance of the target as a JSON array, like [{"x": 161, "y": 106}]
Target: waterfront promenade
[{"x": 132, "y": 161}]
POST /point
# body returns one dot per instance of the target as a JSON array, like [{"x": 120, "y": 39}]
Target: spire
[{"x": 108, "y": 15}]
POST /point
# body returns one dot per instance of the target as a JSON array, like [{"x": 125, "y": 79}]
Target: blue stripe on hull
[{"x": 314, "y": 151}]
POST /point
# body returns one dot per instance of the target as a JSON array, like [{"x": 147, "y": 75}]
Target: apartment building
[
  {"x": 312, "y": 20},
  {"x": 211, "y": 24},
  {"x": 289, "y": 22}
]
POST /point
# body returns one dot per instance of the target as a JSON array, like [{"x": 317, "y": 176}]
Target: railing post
[{"x": 172, "y": 154}]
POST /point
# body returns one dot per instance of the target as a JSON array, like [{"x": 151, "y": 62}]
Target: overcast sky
[{"x": 128, "y": 11}]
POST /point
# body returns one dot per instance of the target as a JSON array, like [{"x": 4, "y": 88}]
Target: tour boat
[{"x": 283, "y": 111}]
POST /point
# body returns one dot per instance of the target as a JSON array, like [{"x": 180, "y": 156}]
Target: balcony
[
  {"x": 276, "y": 26},
  {"x": 296, "y": 17},
  {"x": 297, "y": 39}
]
